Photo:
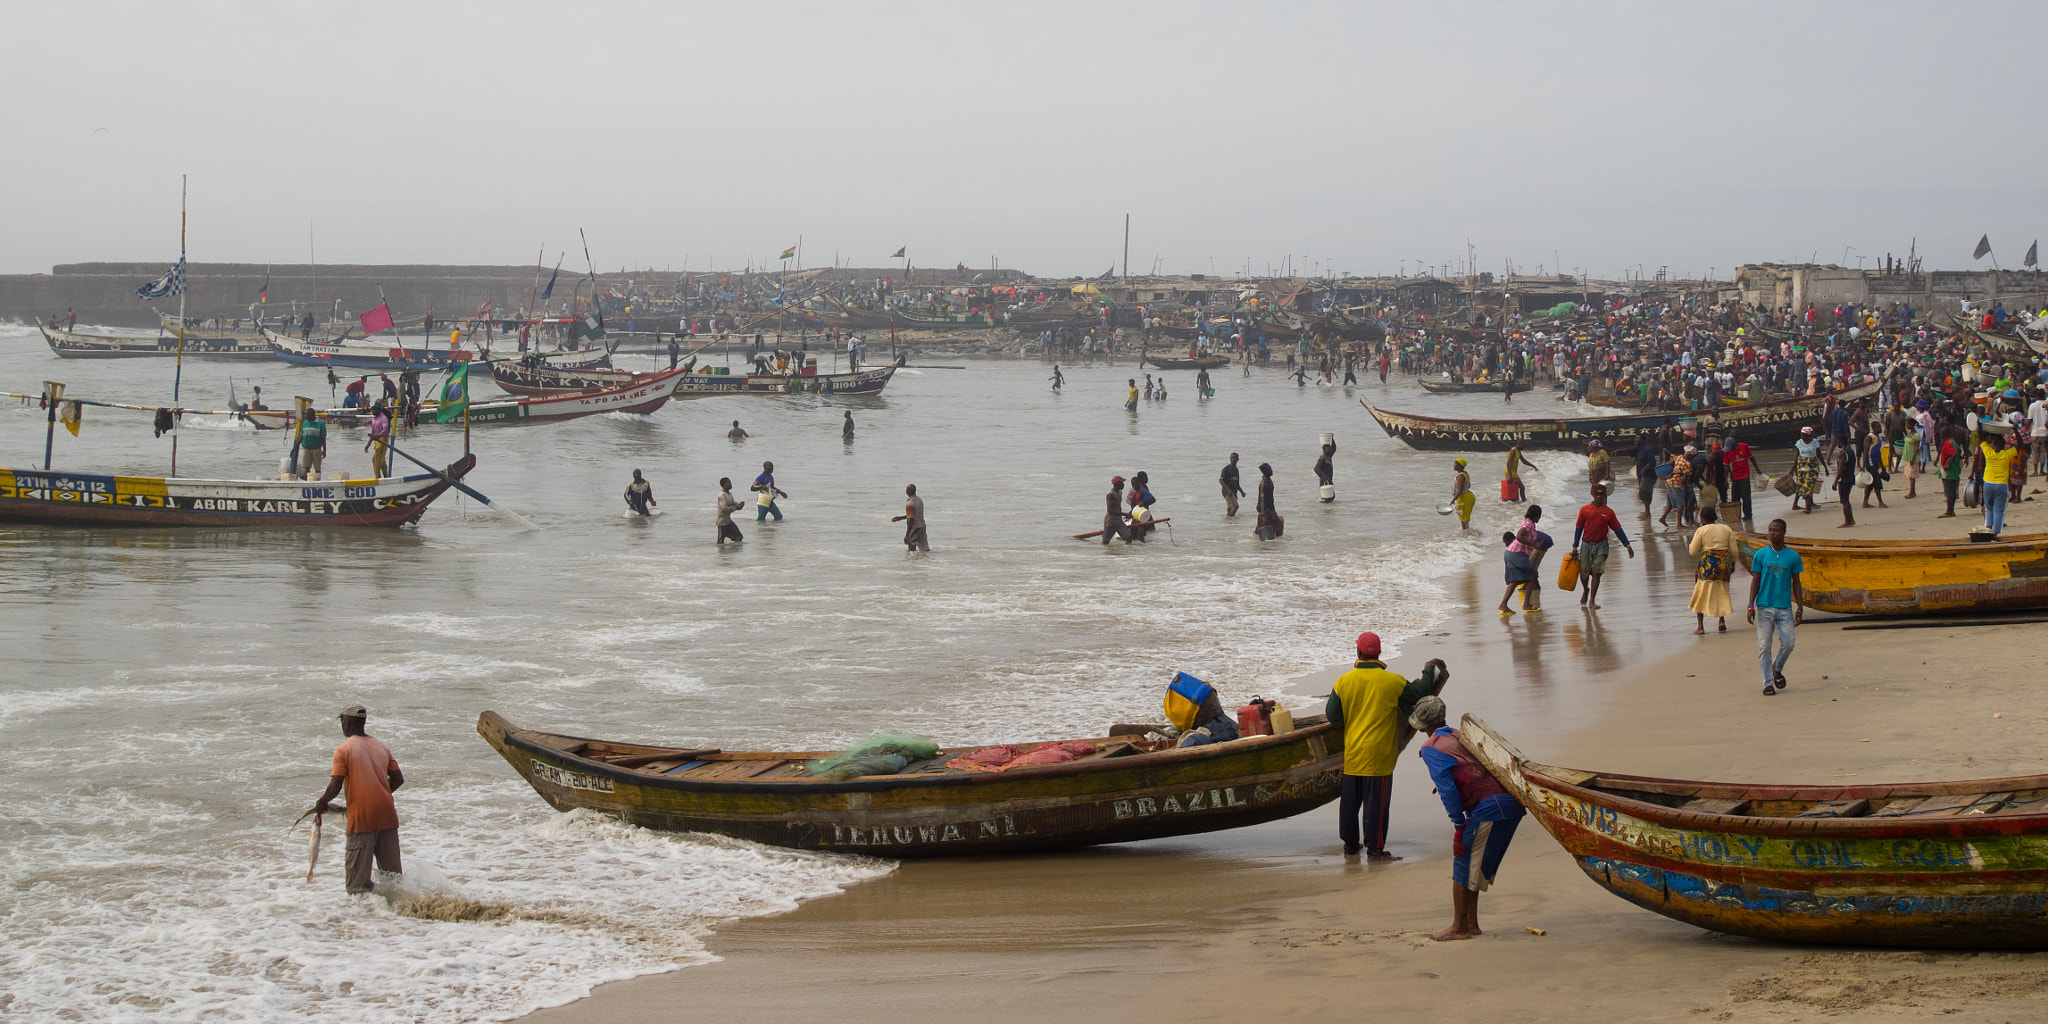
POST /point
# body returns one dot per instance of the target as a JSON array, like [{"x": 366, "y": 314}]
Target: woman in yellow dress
[
  {"x": 1462, "y": 498},
  {"x": 1714, "y": 544}
]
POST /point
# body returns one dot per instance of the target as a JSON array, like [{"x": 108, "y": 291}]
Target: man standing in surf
[{"x": 364, "y": 766}]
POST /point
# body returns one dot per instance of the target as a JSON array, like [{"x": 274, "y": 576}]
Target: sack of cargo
[{"x": 1184, "y": 699}]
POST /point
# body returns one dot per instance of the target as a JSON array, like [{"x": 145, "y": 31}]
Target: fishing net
[{"x": 881, "y": 754}]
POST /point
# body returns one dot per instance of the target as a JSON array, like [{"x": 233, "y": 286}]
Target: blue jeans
[
  {"x": 1770, "y": 623},
  {"x": 1995, "y": 496},
  {"x": 762, "y": 512}
]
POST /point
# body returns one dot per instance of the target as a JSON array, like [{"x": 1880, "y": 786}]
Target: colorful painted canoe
[
  {"x": 1762, "y": 424},
  {"x": 91, "y": 499},
  {"x": 395, "y": 354},
  {"x": 1951, "y": 865},
  {"x": 858, "y": 382},
  {"x": 525, "y": 380},
  {"x": 1917, "y": 577},
  {"x": 1202, "y": 362},
  {"x": 646, "y": 393},
  {"x": 1446, "y": 386},
  {"x": 73, "y": 345},
  {"x": 1120, "y": 794}
]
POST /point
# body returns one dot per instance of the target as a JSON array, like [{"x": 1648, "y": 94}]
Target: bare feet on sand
[{"x": 1451, "y": 935}]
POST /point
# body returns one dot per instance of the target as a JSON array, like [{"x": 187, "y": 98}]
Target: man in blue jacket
[{"x": 1482, "y": 811}]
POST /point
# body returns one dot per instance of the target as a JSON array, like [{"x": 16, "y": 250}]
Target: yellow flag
[{"x": 70, "y": 414}]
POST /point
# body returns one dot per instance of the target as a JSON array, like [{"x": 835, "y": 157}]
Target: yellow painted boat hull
[{"x": 1876, "y": 577}]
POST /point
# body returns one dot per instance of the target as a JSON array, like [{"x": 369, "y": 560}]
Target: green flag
[
  {"x": 454, "y": 394},
  {"x": 590, "y": 328}
]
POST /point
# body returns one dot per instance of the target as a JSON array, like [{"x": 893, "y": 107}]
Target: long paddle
[{"x": 464, "y": 488}]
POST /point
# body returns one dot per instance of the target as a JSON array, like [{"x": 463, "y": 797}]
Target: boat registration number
[{"x": 570, "y": 780}]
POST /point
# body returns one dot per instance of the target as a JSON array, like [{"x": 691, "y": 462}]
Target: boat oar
[{"x": 464, "y": 488}]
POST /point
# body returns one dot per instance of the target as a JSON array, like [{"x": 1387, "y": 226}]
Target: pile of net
[
  {"x": 1561, "y": 309},
  {"x": 1006, "y": 757},
  {"x": 884, "y": 753}
]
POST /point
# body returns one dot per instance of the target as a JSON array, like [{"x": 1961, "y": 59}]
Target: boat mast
[{"x": 178, "y": 373}]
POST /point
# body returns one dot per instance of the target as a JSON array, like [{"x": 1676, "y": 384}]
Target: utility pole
[{"x": 1127, "y": 248}]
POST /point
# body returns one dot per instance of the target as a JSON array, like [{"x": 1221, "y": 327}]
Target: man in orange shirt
[{"x": 366, "y": 768}]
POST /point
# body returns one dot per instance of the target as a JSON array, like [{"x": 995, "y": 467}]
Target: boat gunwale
[
  {"x": 515, "y": 736},
  {"x": 1956, "y": 826}
]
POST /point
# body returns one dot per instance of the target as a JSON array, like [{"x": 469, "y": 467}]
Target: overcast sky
[{"x": 1353, "y": 136}]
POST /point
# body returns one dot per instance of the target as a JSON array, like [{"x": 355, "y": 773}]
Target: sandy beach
[{"x": 1273, "y": 921}]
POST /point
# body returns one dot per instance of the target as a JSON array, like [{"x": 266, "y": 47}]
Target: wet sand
[{"x": 1272, "y": 921}]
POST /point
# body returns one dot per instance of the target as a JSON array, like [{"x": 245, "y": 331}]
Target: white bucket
[
  {"x": 1326, "y": 439},
  {"x": 1329, "y": 493}
]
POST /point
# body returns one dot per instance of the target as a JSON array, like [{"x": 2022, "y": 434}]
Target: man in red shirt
[
  {"x": 366, "y": 768},
  {"x": 1589, "y": 543},
  {"x": 1740, "y": 460}
]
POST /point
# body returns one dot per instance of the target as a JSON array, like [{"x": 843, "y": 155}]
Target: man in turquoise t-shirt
[
  {"x": 1775, "y": 604},
  {"x": 312, "y": 446}
]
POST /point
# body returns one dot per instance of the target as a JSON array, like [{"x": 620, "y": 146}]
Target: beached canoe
[
  {"x": 1917, "y": 577},
  {"x": 1759, "y": 425},
  {"x": 1119, "y": 794},
  {"x": 95, "y": 499},
  {"x": 1952, "y": 865}
]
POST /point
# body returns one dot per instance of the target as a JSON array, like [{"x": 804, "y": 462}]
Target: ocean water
[{"x": 167, "y": 705}]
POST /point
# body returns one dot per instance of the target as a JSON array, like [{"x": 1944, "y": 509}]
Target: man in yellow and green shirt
[{"x": 1365, "y": 708}]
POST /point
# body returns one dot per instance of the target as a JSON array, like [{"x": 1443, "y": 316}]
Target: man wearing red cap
[{"x": 1365, "y": 708}]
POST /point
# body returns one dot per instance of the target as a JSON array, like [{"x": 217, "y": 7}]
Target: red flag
[{"x": 378, "y": 319}]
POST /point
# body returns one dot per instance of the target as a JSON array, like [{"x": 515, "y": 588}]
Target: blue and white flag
[{"x": 172, "y": 283}]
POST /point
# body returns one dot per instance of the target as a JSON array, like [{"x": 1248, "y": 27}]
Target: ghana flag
[{"x": 789, "y": 253}]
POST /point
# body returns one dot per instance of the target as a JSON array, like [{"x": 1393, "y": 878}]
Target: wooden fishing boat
[
  {"x": 858, "y": 382},
  {"x": 1765, "y": 423},
  {"x": 1446, "y": 386},
  {"x": 1917, "y": 577},
  {"x": 74, "y": 345},
  {"x": 1092, "y": 534},
  {"x": 1123, "y": 792},
  {"x": 395, "y": 354},
  {"x": 1953, "y": 865},
  {"x": 92, "y": 499},
  {"x": 1202, "y": 362},
  {"x": 212, "y": 327},
  {"x": 644, "y": 394},
  {"x": 522, "y": 378}
]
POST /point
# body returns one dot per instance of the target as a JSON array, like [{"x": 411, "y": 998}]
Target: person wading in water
[{"x": 364, "y": 766}]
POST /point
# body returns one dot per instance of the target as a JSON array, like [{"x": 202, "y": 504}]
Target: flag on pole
[
  {"x": 590, "y": 328},
  {"x": 69, "y": 414},
  {"x": 550, "y": 289},
  {"x": 789, "y": 253},
  {"x": 454, "y": 394},
  {"x": 1983, "y": 246},
  {"x": 172, "y": 283},
  {"x": 900, "y": 252},
  {"x": 2033, "y": 254},
  {"x": 378, "y": 319},
  {"x": 264, "y": 295}
]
